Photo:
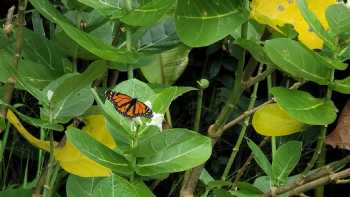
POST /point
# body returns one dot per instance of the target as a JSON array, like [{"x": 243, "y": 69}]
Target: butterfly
[{"x": 128, "y": 106}]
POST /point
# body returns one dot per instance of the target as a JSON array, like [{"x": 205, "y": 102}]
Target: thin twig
[{"x": 247, "y": 163}]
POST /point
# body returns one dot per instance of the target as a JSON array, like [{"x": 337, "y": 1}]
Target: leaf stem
[{"x": 242, "y": 132}]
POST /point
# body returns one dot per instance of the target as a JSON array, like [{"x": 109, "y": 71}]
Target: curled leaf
[
  {"x": 340, "y": 136},
  {"x": 272, "y": 120},
  {"x": 69, "y": 157}
]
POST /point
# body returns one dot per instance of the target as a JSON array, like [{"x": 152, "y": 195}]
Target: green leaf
[
  {"x": 81, "y": 186},
  {"x": 21, "y": 81},
  {"x": 114, "y": 9},
  {"x": 304, "y": 107},
  {"x": 338, "y": 16},
  {"x": 147, "y": 13},
  {"x": 201, "y": 23},
  {"x": 254, "y": 32},
  {"x": 168, "y": 66},
  {"x": 91, "y": 43},
  {"x": 315, "y": 24},
  {"x": 295, "y": 59},
  {"x": 255, "y": 49},
  {"x": 342, "y": 86},
  {"x": 157, "y": 38},
  {"x": 22, "y": 192},
  {"x": 247, "y": 190},
  {"x": 118, "y": 186},
  {"x": 34, "y": 121},
  {"x": 98, "y": 152},
  {"x": 77, "y": 82},
  {"x": 173, "y": 150},
  {"x": 73, "y": 104},
  {"x": 285, "y": 160},
  {"x": 162, "y": 100},
  {"x": 332, "y": 63},
  {"x": 38, "y": 75},
  {"x": 260, "y": 157},
  {"x": 97, "y": 26}
]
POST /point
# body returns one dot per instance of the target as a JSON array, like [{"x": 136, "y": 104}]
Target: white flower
[
  {"x": 157, "y": 120},
  {"x": 49, "y": 94}
]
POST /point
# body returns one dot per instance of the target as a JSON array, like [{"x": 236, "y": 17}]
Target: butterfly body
[{"x": 128, "y": 106}]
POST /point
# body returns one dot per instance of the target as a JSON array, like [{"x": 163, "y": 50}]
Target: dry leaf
[{"x": 340, "y": 136}]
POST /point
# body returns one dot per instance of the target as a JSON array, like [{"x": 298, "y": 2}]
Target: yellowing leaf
[
  {"x": 277, "y": 13},
  {"x": 272, "y": 120},
  {"x": 69, "y": 157},
  {"x": 74, "y": 162},
  {"x": 12, "y": 118}
]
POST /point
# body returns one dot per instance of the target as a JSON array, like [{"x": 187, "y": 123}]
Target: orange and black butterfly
[{"x": 128, "y": 106}]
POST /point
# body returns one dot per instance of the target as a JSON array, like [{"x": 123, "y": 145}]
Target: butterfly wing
[
  {"x": 128, "y": 106},
  {"x": 142, "y": 109}
]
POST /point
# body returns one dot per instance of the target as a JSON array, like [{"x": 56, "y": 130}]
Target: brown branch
[
  {"x": 259, "y": 77},
  {"x": 321, "y": 181},
  {"x": 312, "y": 176},
  {"x": 20, "y": 21}
]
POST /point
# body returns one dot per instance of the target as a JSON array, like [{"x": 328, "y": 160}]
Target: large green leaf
[
  {"x": 168, "y": 66},
  {"x": 342, "y": 86},
  {"x": 21, "y": 81},
  {"x": 285, "y": 160},
  {"x": 162, "y": 100},
  {"x": 118, "y": 186},
  {"x": 115, "y": 9},
  {"x": 37, "y": 74},
  {"x": 201, "y": 23},
  {"x": 147, "y": 13},
  {"x": 98, "y": 152},
  {"x": 260, "y": 157},
  {"x": 97, "y": 26},
  {"x": 142, "y": 13},
  {"x": 89, "y": 42},
  {"x": 304, "y": 107},
  {"x": 295, "y": 59},
  {"x": 69, "y": 95},
  {"x": 77, "y": 82},
  {"x": 81, "y": 186},
  {"x": 338, "y": 16},
  {"x": 315, "y": 24},
  {"x": 157, "y": 38},
  {"x": 173, "y": 150}
]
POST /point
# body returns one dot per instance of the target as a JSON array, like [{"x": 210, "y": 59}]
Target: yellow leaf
[
  {"x": 272, "y": 120},
  {"x": 69, "y": 157},
  {"x": 277, "y": 13},
  {"x": 74, "y": 162}
]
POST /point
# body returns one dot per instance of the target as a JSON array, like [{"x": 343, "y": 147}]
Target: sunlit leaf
[
  {"x": 272, "y": 120},
  {"x": 304, "y": 107},
  {"x": 277, "y": 13}
]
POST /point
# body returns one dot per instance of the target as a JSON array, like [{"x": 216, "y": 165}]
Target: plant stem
[
  {"x": 47, "y": 189},
  {"x": 20, "y": 21},
  {"x": 242, "y": 132},
  {"x": 215, "y": 131},
  {"x": 197, "y": 117},
  {"x": 129, "y": 41}
]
